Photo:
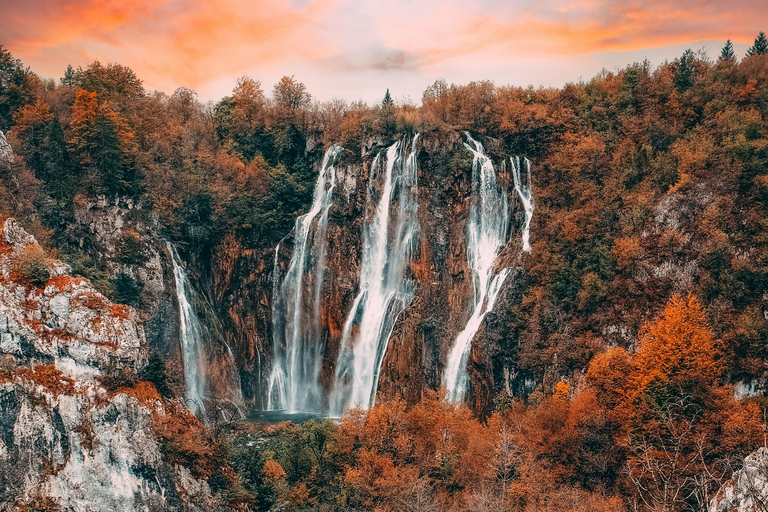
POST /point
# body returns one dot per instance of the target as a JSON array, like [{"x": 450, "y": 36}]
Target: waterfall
[
  {"x": 191, "y": 334},
  {"x": 297, "y": 348},
  {"x": 278, "y": 387},
  {"x": 489, "y": 218},
  {"x": 389, "y": 239},
  {"x": 524, "y": 191}
]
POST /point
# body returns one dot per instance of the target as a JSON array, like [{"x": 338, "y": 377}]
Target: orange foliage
[
  {"x": 60, "y": 282},
  {"x": 679, "y": 349},
  {"x": 143, "y": 390},
  {"x": 608, "y": 375},
  {"x": 120, "y": 311},
  {"x": 28, "y": 115},
  {"x": 30, "y": 305},
  {"x": 626, "y": 251},
  {"x": 90, "y": 300},
  {"x": 50, "y": 378},
  {"x": 400, "y": 446},
  {"x": 185, "y": 441},
  {"x": 273, "y": 470}
]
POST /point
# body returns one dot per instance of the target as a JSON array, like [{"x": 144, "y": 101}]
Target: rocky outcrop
[
  {"x": 78, "y": 431},
  {"x": 6, "y": 153},
  {"x": 747, "y": 491},
  {"x": 118, "y": 235}
]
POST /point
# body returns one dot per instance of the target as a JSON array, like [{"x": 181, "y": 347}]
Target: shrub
[
  {"x": 126, "y": 290},
  {"x": 32, "y": 266},
  {"x": 85, "y": 266},
  {"x": 129, "y": 248},
  {"x": 156, "y": 374}
]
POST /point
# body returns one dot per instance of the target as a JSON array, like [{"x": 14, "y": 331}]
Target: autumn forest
[{"x": 623, "y": 367}]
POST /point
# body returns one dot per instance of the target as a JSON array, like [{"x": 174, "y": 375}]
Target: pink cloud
[{"x": 358, "y": 47}]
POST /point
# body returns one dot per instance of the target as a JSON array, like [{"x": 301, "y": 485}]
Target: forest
[{"x": 651, "y": 187}]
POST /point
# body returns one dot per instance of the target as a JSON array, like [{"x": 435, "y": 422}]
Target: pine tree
[
  {"x": 69, "y": 77},
  {"x": 760, "y": 47},
  {"x": 686, "y": 72},
  {"x": 387, "y": 101},
  {"x": 388, "y": 113},
  {"x": 727, "y": 54}
]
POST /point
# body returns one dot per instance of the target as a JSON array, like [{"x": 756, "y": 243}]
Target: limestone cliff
[
  {"x": 424, "y": 332},
  {"x": 747, "y": 491},
  {"x": 78, "y": 431}
]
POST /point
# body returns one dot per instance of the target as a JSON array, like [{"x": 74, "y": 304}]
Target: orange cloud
[
  {"x": 554, "y": 28},
  {"x": 355, "y": 46}
]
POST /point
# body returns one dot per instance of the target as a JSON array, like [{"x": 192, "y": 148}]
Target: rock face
[
  {"x": 425, "y": 331},
  {"x": 117, "y": 234},
  {"x": 748, "y": 489},
  {"x": 65, "y": 439}
]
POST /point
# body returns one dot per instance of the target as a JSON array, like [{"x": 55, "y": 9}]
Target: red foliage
[
  {"x": 120, "y": 311},
  {"x": 30, "y": 305},
  {"x": 50, "y": 378},
  {"x": 90, "y": 300},
  {"x": 60, "y": 282},
  {"x": 185, "y": 441},
  {"x": 144, "y": 391}
]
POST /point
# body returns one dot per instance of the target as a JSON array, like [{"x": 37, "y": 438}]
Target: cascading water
[
  {"x": 389, "y": 240},
  {"x": 525, "y": 192},
  {"x": 277, "y": 395},
  {"x": 191, "y": 334},
  {"x": 486, "y": 234},
  {"x": 297, "y": 350}
]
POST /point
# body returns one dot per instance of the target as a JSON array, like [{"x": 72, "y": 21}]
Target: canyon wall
[
  {"x": 78, "y": 431},
  {"x": 424, "y": 332}
]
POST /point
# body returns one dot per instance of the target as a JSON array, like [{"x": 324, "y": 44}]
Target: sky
[{"x": 356, "y": 49}]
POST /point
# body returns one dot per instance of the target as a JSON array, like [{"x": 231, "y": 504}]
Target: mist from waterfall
[
  {"x": 296, "y": 333},
  {"x": 389, "y": 239},
  {"x": 191, "y": 336},
  {"x": 487, "y": 228},
  {"x": 525, "y": 192}
]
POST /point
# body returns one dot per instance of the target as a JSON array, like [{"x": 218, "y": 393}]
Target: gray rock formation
[
  {"x": 747, "y": 491},
  {"x": 65, "y": 439}
]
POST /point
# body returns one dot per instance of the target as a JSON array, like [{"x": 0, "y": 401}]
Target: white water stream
[
  {"x": 191, "y": 336},
  {"x": 487, "y": 228},
  {"x": 297, "y": 347},
  {"x": 389, "y": 239}
]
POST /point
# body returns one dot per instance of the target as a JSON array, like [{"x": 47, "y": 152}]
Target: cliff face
[
  {"x": 70, "y": 435},
  {"x": 747, "y": 490},
  {"x": 425, "y": 331},
  {"x": 118, "y": 235}
]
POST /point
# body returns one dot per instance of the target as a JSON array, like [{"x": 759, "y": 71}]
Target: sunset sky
[{"x": 356, "y": 49}]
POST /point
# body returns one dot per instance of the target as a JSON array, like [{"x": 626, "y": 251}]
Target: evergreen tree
[
  {"x": 388, "y": 114},
  {"x": 69, "y": 79},
  {"x": 727, "y": 54},
  {"x": 686, "y": 72},
  {"x": 387, "y": 101},
  {"x": 17, "y": 87},
  {"x": 760, "y": 47}
]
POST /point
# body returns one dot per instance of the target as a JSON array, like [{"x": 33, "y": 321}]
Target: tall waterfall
[
  {"x": 525, "y": 192},
  {"x": 487, "y": 227},
  {"x": 389, "y": 239},
  {"x": 191, "y": 334},
  {"x": 297, "y": 348}
]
